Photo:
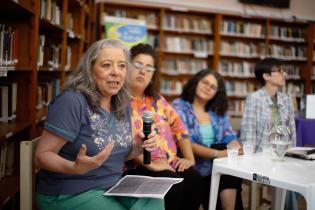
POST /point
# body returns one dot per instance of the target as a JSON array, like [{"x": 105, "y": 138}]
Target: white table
[{"x": 292, "y": 174}]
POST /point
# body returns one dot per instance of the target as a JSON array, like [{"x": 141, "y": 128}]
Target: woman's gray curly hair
[{"x": 82, "y": 80}]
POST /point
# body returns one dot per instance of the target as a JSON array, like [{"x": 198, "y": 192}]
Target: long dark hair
[
  {"x": 146, "y": 49},
  {"x": 219, "y": 103}
]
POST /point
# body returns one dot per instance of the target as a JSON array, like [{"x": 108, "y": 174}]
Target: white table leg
[
  {"x": 215, "y": 180},
  {"x": 279, "y": 198}
]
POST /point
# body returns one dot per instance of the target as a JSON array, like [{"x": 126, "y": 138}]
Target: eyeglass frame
[
  {"x": 280, "y": 70},
  {"x": 209, "y": 85},
  {"x": 142, "y": 66}
]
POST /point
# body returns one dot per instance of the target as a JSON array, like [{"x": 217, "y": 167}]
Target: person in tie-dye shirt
[{"x": 167, "y": 160}]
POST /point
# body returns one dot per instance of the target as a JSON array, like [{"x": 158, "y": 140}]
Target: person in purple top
[{"x": 202, "y": 107}]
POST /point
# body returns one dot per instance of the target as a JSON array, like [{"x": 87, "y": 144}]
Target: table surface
[{"x": 291, "y": 174}]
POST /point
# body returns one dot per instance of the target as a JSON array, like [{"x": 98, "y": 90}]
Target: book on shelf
[
  {"x": 142, "y": 186},
  {"x": 307, "y": 153}
]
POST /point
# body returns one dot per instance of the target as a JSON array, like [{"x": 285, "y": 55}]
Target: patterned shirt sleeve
[
  {"x": 292, "y": 122},
  {"x": 178, "y": 128},
  {"x": 248, "y": 125},
  {"x": 228, "y": 133}
]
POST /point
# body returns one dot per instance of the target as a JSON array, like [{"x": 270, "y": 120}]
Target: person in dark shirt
[{"x": 87, "y": 136}]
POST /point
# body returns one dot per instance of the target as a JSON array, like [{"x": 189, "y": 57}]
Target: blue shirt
[
  {"x": 207, "y": 134},
  {"x": 70, "y": 117},
  {"x": 221, "y": 126}
]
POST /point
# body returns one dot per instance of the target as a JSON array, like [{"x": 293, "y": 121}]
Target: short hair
[
  {"x": 264, "y": 66},
  {"x": 219, "y": 103},
  {"x": 147, "y": 49},
  {"x": 82, "y": 80}
]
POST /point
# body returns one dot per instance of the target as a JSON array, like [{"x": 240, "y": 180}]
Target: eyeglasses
[
  {"x": 207, "y": 84},
  {"x": 139, "y": 66},
  {"x": 281, "y": 70}
]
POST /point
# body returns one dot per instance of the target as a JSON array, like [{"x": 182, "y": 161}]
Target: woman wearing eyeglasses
[
  {"x": 166, "y": 160},
  {"x": 202, "y": 107}
]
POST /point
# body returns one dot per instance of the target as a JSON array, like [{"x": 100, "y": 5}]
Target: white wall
[{"x": 301, "y": 9}]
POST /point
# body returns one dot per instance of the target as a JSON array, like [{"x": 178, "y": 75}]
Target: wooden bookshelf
[
  {"x": 41, "y": 36},
  {"x": 237, "y": 43}
]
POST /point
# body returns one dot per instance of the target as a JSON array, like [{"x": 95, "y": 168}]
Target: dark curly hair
[
  {"x": 146, "y": 49},
  {"x": 264, "y": 66},
  {"x": 219, "y": 103}
]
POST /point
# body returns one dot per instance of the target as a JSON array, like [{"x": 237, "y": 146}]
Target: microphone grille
[{"x": 147, "y": 116}]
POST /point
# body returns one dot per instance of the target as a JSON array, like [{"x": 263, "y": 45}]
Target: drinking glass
[{"x": 280, "y": 139}]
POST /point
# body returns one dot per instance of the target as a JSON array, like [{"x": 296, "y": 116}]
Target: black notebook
[{"x": 306, "y": 153}]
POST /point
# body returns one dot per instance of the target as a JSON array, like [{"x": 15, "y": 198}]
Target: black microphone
[{"x": 147, "y": 122}]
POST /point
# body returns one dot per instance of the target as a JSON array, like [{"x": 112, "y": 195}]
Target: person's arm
[
  {"x": 47, "y": 157},
  {"x": 206, "y": 152},
  {"x": 292, "y": 126},
  {"x": 181, "y": 135},
  {"x": 248, "y": 124},
  {"x": 229, "y": 135}
]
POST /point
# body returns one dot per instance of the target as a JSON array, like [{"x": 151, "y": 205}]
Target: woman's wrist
[{"x": 215, "y": 153}]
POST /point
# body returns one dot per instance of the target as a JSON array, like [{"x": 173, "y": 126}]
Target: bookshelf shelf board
[
  {"x": 239, "y": 56},
  {"x": 175, "y": 74},
  {"x": 9, "y": 129},
  {"x": 75, "y": 3},
  {"x": 287, "y": 40},
  {"x": 49, "y": 26},
  {"x": 9, "y": 186},
  {"x": 11, "y": 10},
  {"x": 195, "y": 54},
  {"x": 48, "y": 70},
  {"x": 237, "y": 96},
  {"x": 238, "y": 77},
  {"x": 241, "y": 36}
]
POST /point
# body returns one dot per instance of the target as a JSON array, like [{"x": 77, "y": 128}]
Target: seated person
[
  {"x": 171, "y": 133},
  {"x": 87, "y": 137},
  {"x": 268, "y": 105},
  {"x": 202, "y": 107}
]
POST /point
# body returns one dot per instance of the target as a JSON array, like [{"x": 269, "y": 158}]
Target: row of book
[
  {"x": 8, "y": 101},
  {"x": 293, "y": 89},
  {"x": 50, "y": 10},
  {"x": 46, "y": 92},
  {"x": 242, "y": 28},
  {"x": 242, "y": 49},
  {"x": 287, "y": 33},
  {"x": 257, "y": 50},
  {"x": 188, "y": 45},
  {"x": 151, "y": 20},
  {"x": 239, "y": 88},
  {"x": 187, "y": 24},
  {"x": 6, "y": 159},
  {"x": 288, "y": 52},
  {"x": 244, "y": 69},
  {"x": 48, "y": 55},
  {"x": 183, "y": 66},
  {"x": 236, "y": 68},
  {"x": 236, "y": 107},
  {"x": 8, "y": 47},
  {"x": 242, "y": 89},
  {"x": 153, "y": 40},
  {"x": 171, "y": 87}
]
